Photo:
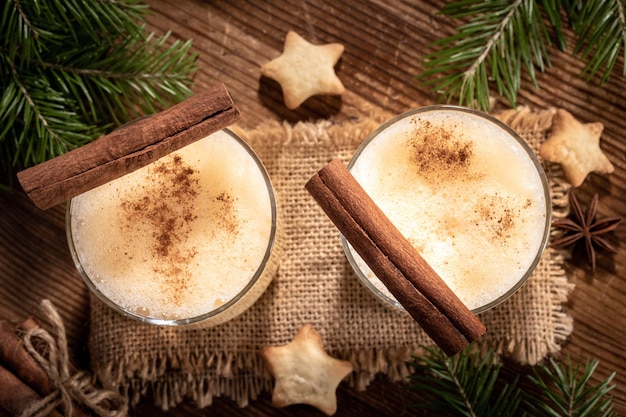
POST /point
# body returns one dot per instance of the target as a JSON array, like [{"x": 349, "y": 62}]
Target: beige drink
[
  {"x": 185, "y": 239},
  {"x": 467, "y": 193}
]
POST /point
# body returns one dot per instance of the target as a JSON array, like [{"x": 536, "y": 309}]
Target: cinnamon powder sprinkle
[
  {"x": 226, "y": 215},
  {"x": 498, "y": 216},
  {"x": 163, "y": 211},
  {"x": 440, "y": 153},
  {"x": 437, "y": 150}
]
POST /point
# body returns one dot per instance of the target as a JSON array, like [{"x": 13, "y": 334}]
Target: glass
[
  {"x": 260, "y": 277},
  {"x": 406, "y": 124}
]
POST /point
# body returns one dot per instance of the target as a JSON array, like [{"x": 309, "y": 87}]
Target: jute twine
[
  {"x": 69, "y": 388},
  {"x": 315, "y": 284}
]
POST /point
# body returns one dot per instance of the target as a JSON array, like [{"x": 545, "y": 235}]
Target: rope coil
[{"x": 68, "y": 388}]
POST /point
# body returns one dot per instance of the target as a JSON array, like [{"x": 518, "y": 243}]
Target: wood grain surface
[{"x": 385, "y": 42}]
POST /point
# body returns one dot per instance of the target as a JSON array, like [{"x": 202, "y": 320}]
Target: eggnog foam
[
  {"x": 464, "y": 193},
  {"x": 179, "y": 237}
]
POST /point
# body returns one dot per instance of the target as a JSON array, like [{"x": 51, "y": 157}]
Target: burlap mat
[{"x": 315, "y": 285}]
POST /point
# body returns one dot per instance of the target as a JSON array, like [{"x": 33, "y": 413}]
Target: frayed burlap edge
[{"x": 242, "y": 377}]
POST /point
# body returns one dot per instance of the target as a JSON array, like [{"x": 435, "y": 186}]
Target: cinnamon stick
[
  {"x": 414, "y": 283},
  {"x": 15, "y": 357},
  {"x": 40, "y": 346},
  {"x": 16, "y": 396},
  {"x": 128, "y": 148}
]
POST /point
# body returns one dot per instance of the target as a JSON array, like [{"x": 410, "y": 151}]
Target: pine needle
[{"x": 601, "y": 30}]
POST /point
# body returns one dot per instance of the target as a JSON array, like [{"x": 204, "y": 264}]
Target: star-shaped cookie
[
  {"x": 304, "y": 70},
  {"x": 304, "y": 373},
  {"x": 576, "y": 146}
]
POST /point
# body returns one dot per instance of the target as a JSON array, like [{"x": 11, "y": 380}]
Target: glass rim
[
  {"x": 214, "y": 312},
  {"x": 348, "y": 251}
]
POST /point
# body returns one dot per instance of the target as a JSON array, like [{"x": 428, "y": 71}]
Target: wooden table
[{"x": 384, "y": 45}]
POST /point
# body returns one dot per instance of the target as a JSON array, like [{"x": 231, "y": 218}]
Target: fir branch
[
  {"x": 71, "y": 70},
  {"x": 567, "y": 391},
  {"x": 139, "y": 76},
  {"x": 465, "y": 386},
  {"x": 500, "y": 39},
  {"x": 39, "y": 105}
]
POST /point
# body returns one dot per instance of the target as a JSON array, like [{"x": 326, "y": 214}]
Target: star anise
[{"x": 583, "y": 225}]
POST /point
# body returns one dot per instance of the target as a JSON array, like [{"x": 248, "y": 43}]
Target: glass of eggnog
[
  {"x": 187, "y": 239},
  {"x": 466, "y": 191}
]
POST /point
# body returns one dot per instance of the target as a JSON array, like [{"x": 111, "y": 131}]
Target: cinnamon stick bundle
[
  {"x": 413, "y": 282},
  {"x": 128, "y": 148},
  {"x": 15, "y": 356},
  {"x": 22, "y": 381},
  {"x": 15, "y": 396}
]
